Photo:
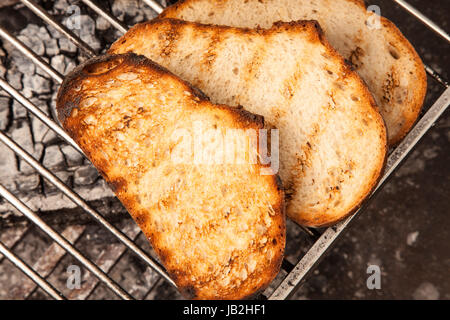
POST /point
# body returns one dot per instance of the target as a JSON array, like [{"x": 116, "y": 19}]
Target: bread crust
[
  {"x": 87, "y": 108},
  {"x": 409, "y": 110},
  {"x": 412, "y": 113},
  {"x": 146, "y": 33}
]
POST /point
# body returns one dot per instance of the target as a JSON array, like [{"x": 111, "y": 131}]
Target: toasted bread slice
[
  {"x": 218, "y": 227},
  {"x": 332, "y": 138},
  {"x": 379, "y": 52}
]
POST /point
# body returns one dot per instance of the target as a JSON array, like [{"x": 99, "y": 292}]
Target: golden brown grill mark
[
  {"x": 211, "y": 52},
  {"x": 289, "y": 84},
  {"x": 253, "y": 66},
  {"x": 389, "y": 86},
  {"x": 394, "y": 52},
  {"x": 169, "y": 38},
  {"x": 355, "y": 57},
  {"x": 304, "y": 156}
]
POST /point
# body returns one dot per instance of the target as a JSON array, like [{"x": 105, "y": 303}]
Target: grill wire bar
[
  {"x": 112, "y": 20},
  {"x": 40, "y": 12},
  {"x": 55, "y": 294},
  {"x": 425, "y": 20},
  {"x": 154, "y": 5},
  {"x": 31, "y": 55},
  {"x": 299, "y": 270},
  {"x": 19, "y": 205},
  {"x": 38, "y": 113}
]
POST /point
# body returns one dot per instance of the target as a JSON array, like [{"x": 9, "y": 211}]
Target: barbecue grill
[{"x": 292, "y": 274}]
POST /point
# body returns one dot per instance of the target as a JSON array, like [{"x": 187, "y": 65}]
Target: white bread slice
[
  {"x": 332, "y": 138},
  {"x": 218, "y": 227},
  {"x": 379, "y": 52}
]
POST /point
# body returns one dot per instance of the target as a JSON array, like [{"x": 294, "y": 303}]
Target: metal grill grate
[{"x": 294, "y": 273}]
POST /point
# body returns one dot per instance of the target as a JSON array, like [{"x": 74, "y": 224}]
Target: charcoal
[
  {"x": 51, "y": 47},
  {"x": 14, "y": 78},
  {"x": 32, "y": 37},
  {"x": 53, "y": 157},
  {"x": 39, "y": 129},
  {"x": 28, "y": 183},
  {"x": 72, "y": 156},
  {"x": 35, "y": 83},
  {"x": 8, "y": 163},
  {"x": 19, "y": 111},
  {"x": 66, "y": 45},
  {"x": 85, "y": 175}
]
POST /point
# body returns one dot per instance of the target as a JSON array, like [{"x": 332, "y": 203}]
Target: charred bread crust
[
  {"x": 420, "y": 90},
  {"x": 88, "y": 78},
  {"x": 359, "y": 205}
]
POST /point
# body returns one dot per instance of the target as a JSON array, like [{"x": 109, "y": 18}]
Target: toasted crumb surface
[
  {"x": 332, "y": 138},
  {"x": 377, "y": 50},
  {"x": 218, "y": 229}
]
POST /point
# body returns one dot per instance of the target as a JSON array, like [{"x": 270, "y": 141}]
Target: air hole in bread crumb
[
  {"x": 236, "y": 71},
  {"x": 355, "y": 98},
  {"x": 394, "y": 53},
  {"x": 102, "y": 67}
]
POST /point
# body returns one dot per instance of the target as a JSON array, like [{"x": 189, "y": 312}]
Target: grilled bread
[
  {"x": 379, "y": 52},
  {"x": 218, "y": 227},
  {"x": 332, "y": 138}
]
